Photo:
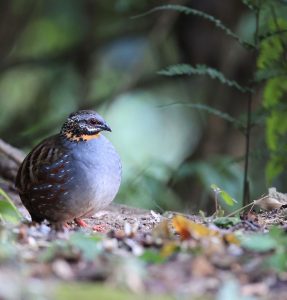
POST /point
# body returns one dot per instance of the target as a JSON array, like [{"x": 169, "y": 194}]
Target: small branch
[
  {"x": 10, "y": 160},
  {"x": 246, "y": 185},
  {"x": 11, "y": 152},
  {"x": 239, "y": 209},
  {"x": 246, "y": 190}
]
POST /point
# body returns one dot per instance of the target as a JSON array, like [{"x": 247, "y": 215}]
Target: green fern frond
[
  {"x": 270, "y": 34},
  {"x": 191, "y": 11},
  {"x": 267, "y": 74},
  {"x": 210, "y": 110},
  {"x": 185, "y": 69}
]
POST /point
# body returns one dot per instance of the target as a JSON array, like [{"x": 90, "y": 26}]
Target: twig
[
  {"x": 246, "y": 186},
  {"x": 239, "y": 209},
  {"x": 246, "y": 190},
  {"x": 11, "y": 152}
]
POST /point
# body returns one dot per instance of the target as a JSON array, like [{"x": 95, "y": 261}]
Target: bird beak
[{"x": 105, "y": 127}]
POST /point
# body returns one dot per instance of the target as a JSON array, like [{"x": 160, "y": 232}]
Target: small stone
[{"x": 62, "y": 269}]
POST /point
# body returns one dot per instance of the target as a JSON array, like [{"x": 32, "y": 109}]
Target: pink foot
[
  {"x": 98, "y": 228},
  {"x": 81, "y": 223}
]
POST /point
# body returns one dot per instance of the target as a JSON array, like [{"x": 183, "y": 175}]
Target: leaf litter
[{"x": 172, "y": 255}]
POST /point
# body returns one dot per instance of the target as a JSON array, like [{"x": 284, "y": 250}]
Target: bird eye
[{"x": 93, "y": 122}]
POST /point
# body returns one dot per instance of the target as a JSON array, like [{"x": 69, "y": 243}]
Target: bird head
[{"x": 84, "y": 125}]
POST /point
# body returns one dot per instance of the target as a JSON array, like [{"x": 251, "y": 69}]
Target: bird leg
[{"x": 82, "y": 223}]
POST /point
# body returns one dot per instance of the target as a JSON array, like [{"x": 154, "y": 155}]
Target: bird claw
[{"x": 97, "y": 228}]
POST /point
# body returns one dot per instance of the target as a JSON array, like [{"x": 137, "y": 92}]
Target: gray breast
[{"x": 97, "y": 174}]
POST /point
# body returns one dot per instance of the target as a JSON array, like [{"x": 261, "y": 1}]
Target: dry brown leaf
[
  {"x": 161, "y": 230},
  {"x": 187, "y": 228},
  {"x": 231, "y": 239},
  {"x": 168, "y": 249},
  {"x": 273, "y": 200},
  {"x": 268, "y": 203},
  {"x": 181, "y": 226}
]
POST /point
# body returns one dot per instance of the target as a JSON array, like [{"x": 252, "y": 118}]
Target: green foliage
[
  {"x": 272, "y": 61},
  {"x": 275, "y": 241},
  {"x": 150, "y": 190},
  {"x": 219, "y": 171},
  {"x": 191, "y": 11},
  {"x": 270, "y": 38},
  {"x": 185, "y": 69},
  {"x": 258, "y": 242},
  {"x": 88, "y": 246},
  {"x": 224, "y": 196},
  {"x": 152, "y": 256},
  {"x": 226, "y": 222},
  {"x": 8, "y": 211}
]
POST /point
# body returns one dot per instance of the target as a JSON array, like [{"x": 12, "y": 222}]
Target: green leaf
[
  {"x": 191, "y": 11},
  {"x": 223, "y": 195},
  {"x": 227, "y": 198},
  {"x": 8, "y": 211},
  {"x": 279, "y": 235},
  {"x": 278, "y": 261},
  {"x": 90, "y": 246},
  {"x": 152, "y": 256},
  {"x": 226, "y": 221},
  {"x": 258, "y": 242},
  {"x": 186, "y": 69}
]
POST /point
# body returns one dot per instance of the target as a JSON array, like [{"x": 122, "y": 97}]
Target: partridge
[{"x": 70, "y": 175}]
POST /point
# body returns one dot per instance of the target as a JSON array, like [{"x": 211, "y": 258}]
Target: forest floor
[{"x": 141, "y": 254}]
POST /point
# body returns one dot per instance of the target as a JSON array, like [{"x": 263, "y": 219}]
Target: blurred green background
[{"x": 60, "y": 56}]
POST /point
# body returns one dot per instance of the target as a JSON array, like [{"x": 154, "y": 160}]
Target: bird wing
[{"x": 43, "y": 166}]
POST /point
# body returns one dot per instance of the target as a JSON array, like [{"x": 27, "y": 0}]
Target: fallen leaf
[
  {"x": 187, "y": 228},
  {"x": 230, "y": 238},
  {"x": 268, "y": 203},
  {"x": 181, "y": 226},
  {"x": 168, "y": 249},
  {"x": 273, "y": 200},
  {"x": 161, "y": 230}
]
